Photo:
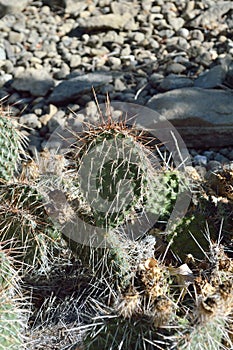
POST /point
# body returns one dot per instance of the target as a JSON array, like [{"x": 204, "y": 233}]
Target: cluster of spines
[
  {"x": 13, "y": 315},
  {"x": 25, "y": 224},
  {"x": 12, "y": 143}
]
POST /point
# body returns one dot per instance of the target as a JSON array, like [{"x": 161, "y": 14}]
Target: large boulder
[{"x": 203, "y": 117}]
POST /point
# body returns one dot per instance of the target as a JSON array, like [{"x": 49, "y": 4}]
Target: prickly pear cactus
[
  {"x": 25, "y": 224},
  {"x": 163, "y": 191},
  {"x": 114, "y": 172},
  {"x": 12, "y": 317},
  {"x": 8, "y": 273},
  {"x": 11, "y": 323},
  {"x": 12, "y": 147},
  {"x": 118, "y": 178}
]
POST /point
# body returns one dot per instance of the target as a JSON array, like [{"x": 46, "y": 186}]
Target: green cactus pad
[
  {"x": 24, "y": 221},
  {"x": 11, "y": 146}
]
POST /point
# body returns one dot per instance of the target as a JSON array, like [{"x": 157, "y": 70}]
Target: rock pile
[{"x": 174, "y": 56}]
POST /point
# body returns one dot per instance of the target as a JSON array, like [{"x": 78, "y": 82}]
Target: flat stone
[
  {"x": 75, "y": 61},
  {"x": 12, "y": 6},
  {"x": 70, "y": 6},
  {"x": 30, "y": 120},
  {"x": 203, "y": 117},
  {"x": 212, "y": 78},
  {"x": 176, "y": 68},
  {"x": 74, "y": 6},
  {"x": 173, "y": 81},
  {"x": 15, "y": 37},
  {"x": 36, "y": 81},
  {"x": 2, "y": 53},
  {"x": 175, "y": 22},
  {"x": 111, "y": 20},
  {"x": 213, "y": 15},
  {"x": 155, "y": 79},
  {"x": 69, "y": 90},
  {"x": 120, "y": 8},
  {"x": 200, "y": 160}
]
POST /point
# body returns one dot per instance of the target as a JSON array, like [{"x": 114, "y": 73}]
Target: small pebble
[{"x": 200, "y": 160}]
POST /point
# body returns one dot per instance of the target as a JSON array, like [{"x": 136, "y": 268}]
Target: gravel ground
[{"x": 53, "y": 52}]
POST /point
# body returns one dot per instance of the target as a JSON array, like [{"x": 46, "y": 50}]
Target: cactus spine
[
  {"x": 12, "y": 144},
  {"x": 25, "y": 224},
  {"x": 12, "y": 316}
]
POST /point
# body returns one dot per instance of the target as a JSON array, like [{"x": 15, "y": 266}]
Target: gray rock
[
  {"x": 197, "y": 34},
  {"x": 139, "y": 37},
  {"x": 173, "y": 81},
  {"x": 111, "y": 20},
  {"x": 166, "y": 33},
  {"x": 12, "y": 6},
  {"x": 119, "y": 85},
  {"x": 205, "y": 58},
  {"x": 212, "y": 78},
  {"x": 120, "y": 8},
  {"x": 2, "y": 53},
  {"x": 230, "y": 155},
  {"x": 56, "y": 120},
  {"x": 74, "y": 6},
  {"x": 224, "y": 151},
  {"x": 15, "y": 37},
  {"x": 31, "y": 120},
  {"x": 182, "y": 44},
  {"x": 209, "y": 155},
  {"x": 91, "y": 112},
  {"x": 156, "y": 79},
  {"x": 229, "y": 75},
  {"x": 196, "y": 43},
  {"x": 213, "y": 15},
  {"x": 146, "y": 5},
  {"x": 203, "y": 117},
  {"x": 221, "y": 159},
  {"x": 200, "y": 160},
  {"x": 114, "y": 62},
  {"x": 176, "y": 22},
  {"x": 70, "y": 6},
  {"x": 5, "y": 78},
  {"x": 69, "y": 90},
  {"x": 44, "y": 119},
  {"x": 35, "y": 144},
  {"x": 15, "y": 97},
  {"x": 213, "y": 165},
  {"x": 175, "y": 68},
  {"x": 36, "y": 81},
  {"x": 183, "y": 32},
  {"x": 75, "y": 61},
  {"x": 112, "y": 37},
  {"x": 10, "y": 51}
]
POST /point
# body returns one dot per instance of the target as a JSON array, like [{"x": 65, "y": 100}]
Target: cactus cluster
[
  {"x": 24, "y": 223},
  {"x": 12, "y": 144},
  {"x": 143, "y": 288},
  {"x": 13, "y": 315}
]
